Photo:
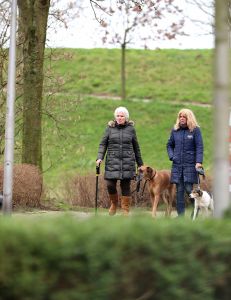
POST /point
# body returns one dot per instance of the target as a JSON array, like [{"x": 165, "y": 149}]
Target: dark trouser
[
  {"x": 181, "y": 187},
  {"x": 124, "y": 185}
]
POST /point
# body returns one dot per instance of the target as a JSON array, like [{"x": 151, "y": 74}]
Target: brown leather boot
[
  {"x": 114, "y": 203},
  {"x": 125, "y": 203}
]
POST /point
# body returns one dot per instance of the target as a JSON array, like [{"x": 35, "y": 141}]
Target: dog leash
[
  {"x": 142, "y": 194},
  {"x": 200, "y": 171},
  {"x": 138, "y": 179},
  {"x": 198, "y": 181},
  {"x": 149, "y": 179}
]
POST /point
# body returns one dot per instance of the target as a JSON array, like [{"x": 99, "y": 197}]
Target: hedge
[{"x": 114, "y": 258}]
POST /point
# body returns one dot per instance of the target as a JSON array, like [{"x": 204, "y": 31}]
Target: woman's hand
[
  {"x": 98, "y": 162},
  {"x": 198, "y": 165},
  {"x": 141, "y": 168}
]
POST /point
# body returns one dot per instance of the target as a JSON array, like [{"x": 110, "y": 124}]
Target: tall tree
[
  {"x": 33, "y": 24},
  {"x": 4, "y": 38},
  {"x": 220, "y": 11},
  {"x": 33, "y": 15},
  {"x": 222, "y": 106},
  {"x": 126, "y": 22}
]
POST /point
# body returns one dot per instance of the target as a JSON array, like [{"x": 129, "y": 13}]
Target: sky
[{"x": 84, "y": 32}]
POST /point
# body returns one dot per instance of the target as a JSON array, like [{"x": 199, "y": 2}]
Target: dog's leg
[
  {"x": 169, "y": 209},
  {"x": 168, "y": 203},
  {"x": 165, "y": 197},
  {"x": 155, "y": 204},
  {"x": 211, "y": 206},
  {"x": 152, "y": 196},
  {"x": 196, "y": 210},
  {"x": 206, "y": 212}
]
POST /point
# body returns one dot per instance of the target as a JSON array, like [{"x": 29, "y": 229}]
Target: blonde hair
[
  {"x": 191, "y": 119},
  {"x": 123, "y": 110}
]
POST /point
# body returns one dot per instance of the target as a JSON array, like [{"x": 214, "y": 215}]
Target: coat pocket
[
  {"x": 190, "y": 157},
  {"x": 176, "y": 159}
]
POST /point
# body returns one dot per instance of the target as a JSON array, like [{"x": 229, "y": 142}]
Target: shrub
[
  {"x": 81, "y": 191},
  {"x": 27, "y": 185},
  {"x": 114, "y": 258}
]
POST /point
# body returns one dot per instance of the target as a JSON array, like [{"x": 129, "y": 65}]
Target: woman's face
[
  {"x": 120, "y": 118},
  {"x": 182, "y": 120}
]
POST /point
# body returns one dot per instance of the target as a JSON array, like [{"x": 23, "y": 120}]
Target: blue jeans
[{"x": 181, "y": 187}]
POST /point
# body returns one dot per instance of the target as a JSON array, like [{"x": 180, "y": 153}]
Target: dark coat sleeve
[
  {"x": 199, "y": 146},
  {"x": 103, "y": 145},
  {"x": 137, "y": 151},
  {"x": 170, "y": 146}
]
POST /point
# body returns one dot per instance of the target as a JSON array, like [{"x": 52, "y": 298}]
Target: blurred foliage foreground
[{"x": 114, "y": 258}]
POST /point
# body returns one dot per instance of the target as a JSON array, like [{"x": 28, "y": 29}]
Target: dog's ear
[
  {"x": 149, "y": 171},
  {"x": 200, "y": 193}
]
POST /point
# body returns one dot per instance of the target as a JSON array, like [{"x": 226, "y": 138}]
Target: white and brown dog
[{"x": 202, "y": 201}]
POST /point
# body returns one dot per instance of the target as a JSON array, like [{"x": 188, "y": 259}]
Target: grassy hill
[
  {"x": 82, "y": 89},
  {"x": 168, "y": 75}
]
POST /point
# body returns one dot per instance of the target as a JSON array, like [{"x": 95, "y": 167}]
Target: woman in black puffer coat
[
  {"x": 185, "y": 150},
  {"x": 122, "y": 150}
]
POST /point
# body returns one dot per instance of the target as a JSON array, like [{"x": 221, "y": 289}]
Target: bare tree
[
  {"x": 207, "y": 7},
  {"x": 126, "y": 22},
  {"x": 61, "y": 13},
  {"x": 33, "y": 24}
]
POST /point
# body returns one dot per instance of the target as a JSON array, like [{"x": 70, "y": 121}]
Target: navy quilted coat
[
  {"x": 123, "y": 151},
  {"x": 185, "y": 149}
]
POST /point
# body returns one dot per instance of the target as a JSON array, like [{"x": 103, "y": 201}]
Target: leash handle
[
  {"x": 200, "y": 171},
  {"x": 98, "y": 169},
  {"x": 198, "y": 180}
]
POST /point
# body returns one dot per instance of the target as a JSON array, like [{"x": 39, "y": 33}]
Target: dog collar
[{"x": 153, "y": 176}]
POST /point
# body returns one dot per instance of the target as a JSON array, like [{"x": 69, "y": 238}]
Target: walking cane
[{"x": 96, "y": 187}]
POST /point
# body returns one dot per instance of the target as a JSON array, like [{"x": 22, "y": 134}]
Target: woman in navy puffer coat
[{"x": 185, "y": 150}]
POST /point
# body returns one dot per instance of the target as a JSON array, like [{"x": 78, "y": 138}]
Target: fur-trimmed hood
[{"x": 113, "y": 123}]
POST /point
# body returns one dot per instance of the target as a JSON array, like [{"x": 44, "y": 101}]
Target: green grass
[
  {"x": 75, "y": 150},
  {"x": 165, "y": 75},
  {"x": 159, "y": 84}
]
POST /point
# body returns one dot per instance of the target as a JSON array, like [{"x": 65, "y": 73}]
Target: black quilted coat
[{"x": 122, "y": 150}]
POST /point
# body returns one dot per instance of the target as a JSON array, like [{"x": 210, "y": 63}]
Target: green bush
[{"x": 114, "y": 258}]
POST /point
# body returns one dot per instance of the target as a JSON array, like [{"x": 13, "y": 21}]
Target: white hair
[{"x": 123, "y": 110}]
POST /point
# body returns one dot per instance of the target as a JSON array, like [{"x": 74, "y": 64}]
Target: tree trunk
[
  {"x": 123, "y": 75},
  {"x": 33, "y": 16},
  {"x": 221, "y": 112}
]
